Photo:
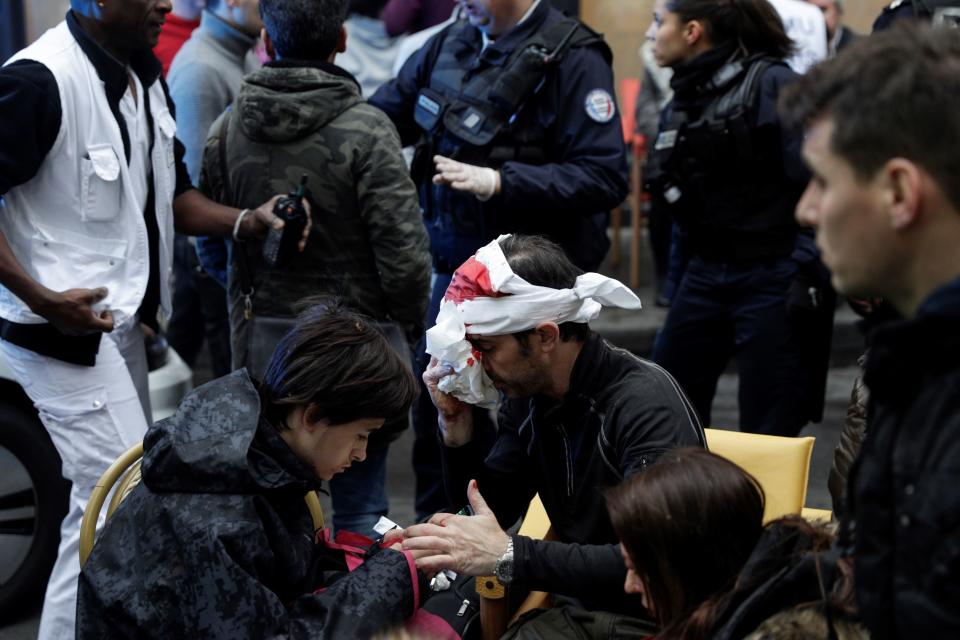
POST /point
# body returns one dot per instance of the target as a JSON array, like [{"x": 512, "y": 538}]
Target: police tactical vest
[
  {"x": 939, "y": 12},
  {"x": 473, "y": 111},
  {"x": 478, "y": 109},
  {"x": 721, "y": 177}
]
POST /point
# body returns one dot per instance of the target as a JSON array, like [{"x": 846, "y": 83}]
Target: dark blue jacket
[
  {"x": 584, "y": 174},
  {"x": 738, "y": 177}
]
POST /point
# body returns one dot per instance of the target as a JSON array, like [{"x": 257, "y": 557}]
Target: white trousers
[{"x": 93, "y": 414}]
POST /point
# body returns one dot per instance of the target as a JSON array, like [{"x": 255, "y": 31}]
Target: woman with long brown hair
[{"x": 698, "y": 555}]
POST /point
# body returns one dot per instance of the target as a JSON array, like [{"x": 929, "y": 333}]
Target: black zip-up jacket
[
  {"x": 620, "y": 413},
  {"x": 903, "y": 489}
]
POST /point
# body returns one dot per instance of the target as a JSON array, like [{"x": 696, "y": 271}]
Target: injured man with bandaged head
[{"x": 575, "y": 415}]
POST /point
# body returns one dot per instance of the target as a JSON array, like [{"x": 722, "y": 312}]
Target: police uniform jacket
[
  {"x": 217, "y": 541},
  {"x": 619, "y": 415},
  {"x": 727, "y": 170},
  {"x": 570, "y": 165}
]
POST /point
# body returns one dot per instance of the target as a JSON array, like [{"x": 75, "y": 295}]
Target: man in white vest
[{"x": 92, "y": 183}]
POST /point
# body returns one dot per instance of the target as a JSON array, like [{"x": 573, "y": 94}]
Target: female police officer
[{"x": 730, "y": 176}]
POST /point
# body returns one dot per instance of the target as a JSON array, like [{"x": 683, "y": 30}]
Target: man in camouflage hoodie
[{"x": 303, "y": 115}]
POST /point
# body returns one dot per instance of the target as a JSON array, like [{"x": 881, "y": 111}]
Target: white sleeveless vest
[{"x": 76, "y": 223}]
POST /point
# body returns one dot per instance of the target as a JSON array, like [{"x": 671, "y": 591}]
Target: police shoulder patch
[{"x": 600, "y": 106}]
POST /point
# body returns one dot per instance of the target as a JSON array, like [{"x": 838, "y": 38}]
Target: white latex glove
[{"x": 482, "y": 182}]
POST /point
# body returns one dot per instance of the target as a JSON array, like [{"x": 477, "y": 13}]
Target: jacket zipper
[{"x": 566, "y": 452}]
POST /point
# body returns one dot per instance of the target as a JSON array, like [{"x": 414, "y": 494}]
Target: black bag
[{"x": 458, "y": 606}]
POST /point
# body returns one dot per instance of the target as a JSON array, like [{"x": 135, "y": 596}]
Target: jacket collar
[
  {"x": 111, "y": 71},
  {"x": 274, "y": 465},
  {"x": 691, "y": 76},
  {"x": 584, "y": 377},
  {"x": 322, "y": 65},
  {"x": 944, "y": 301},
  {"x": 231, "y": 39},
  {"x": 217, "y": 442},
  {"x": 928, "y": 342}
]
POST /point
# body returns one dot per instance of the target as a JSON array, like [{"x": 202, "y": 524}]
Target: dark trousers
[
  {"x": 725, "y": 310},
  {"x": 199, "y": 311},
  {"x": 660, "y": 229}
]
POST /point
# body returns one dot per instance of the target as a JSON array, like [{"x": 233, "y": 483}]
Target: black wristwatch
[{"x": 503, "y": 569}]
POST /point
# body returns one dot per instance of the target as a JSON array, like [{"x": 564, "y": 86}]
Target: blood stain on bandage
[{"x": 471, "y": 280}]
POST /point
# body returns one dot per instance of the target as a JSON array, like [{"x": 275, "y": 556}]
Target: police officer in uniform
[
  {"x": 731, "y": 176},
  {"x": 944, "y": 13},
  {"x": 512, "y": 109}
]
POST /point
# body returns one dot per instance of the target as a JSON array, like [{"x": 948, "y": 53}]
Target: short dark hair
[
  {"x": 340, "y": 361},
  {"x": 754, "y": 24},
  {"x": 542, "y": 262},
  {"x": 304, "y": 29},
  {"x": 688, "y": 522},
  {"x": 889, "y": 96}
]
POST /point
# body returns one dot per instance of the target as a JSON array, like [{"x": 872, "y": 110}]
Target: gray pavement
[{"x": 635, "y": 331}]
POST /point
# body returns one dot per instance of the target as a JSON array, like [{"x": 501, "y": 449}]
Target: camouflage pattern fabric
[
  {"x": 217, "y": 542},
  {"x": 368, "y": 244}
]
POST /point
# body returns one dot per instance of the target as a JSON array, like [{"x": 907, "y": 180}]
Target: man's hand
[
  {"x": 72, "y": 312},
  {"x": 482, "y": 182},
  {"x": 466, "y": 544},
  {"x": 455, "y": 416},
  {"x": 393, "y": 540},
  {"x": 259, "y": 221}
]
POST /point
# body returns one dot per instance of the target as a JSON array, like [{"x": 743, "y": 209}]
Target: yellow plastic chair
[
  {"x": 125, "y": 473},
  {"x": 781, "y": 466},
  {"x": 494, "y": 605}
]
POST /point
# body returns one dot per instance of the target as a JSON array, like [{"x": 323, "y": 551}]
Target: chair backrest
[
  {"x": 120, "y": 467},
  {"x": 125, "y": 473},
  {"x": 629, "y": 91},
  {"x": 781, "y": 466}
]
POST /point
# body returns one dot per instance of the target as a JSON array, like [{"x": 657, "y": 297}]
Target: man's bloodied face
[{"x": 512, "y": 364}]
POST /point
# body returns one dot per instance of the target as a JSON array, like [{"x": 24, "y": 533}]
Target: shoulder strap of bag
[{"x": 243, "y": 269}]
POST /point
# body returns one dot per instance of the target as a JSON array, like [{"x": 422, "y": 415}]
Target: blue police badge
[{"x": 600, "y": 106}]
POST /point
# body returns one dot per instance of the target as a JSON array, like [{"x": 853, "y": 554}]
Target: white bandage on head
[{"x": 486, "y": 298}]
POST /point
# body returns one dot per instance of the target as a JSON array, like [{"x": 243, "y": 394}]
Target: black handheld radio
[{"x": 281, "y": 244}]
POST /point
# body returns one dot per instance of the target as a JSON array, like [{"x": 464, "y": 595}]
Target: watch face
[{"x": 504, "y": 570}]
